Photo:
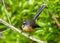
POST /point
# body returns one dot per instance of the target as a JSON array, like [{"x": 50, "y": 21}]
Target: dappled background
[{"x": 15, "y": 11}]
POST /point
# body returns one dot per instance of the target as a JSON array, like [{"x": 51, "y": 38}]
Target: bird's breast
[{"x": 27, "y": 29}]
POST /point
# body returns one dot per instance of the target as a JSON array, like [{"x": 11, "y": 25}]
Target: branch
[
  {"x": 54, "y": 18},
  {"x": 19, "y": 31}
]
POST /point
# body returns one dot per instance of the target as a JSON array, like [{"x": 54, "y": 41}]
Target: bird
[{"x": 29, "y": 25}]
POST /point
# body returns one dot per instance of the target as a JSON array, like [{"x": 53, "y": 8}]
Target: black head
[{"x": 28, "y": 22}]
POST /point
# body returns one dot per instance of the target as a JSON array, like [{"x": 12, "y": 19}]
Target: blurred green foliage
[{"x": 20, "y": 10}]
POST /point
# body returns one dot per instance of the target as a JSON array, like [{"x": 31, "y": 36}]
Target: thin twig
[
  {"x": 54, "y": 18},
  {"x": 19, "y": 31},
  {"x": 1, "y": 36},
  {"x": 3, "y": 2}
]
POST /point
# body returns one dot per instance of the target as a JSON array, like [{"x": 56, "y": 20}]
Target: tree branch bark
[{"x": 54, "y": 18}]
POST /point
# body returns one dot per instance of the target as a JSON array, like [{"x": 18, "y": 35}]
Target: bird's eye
[{"x": 24, "y": 23}]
